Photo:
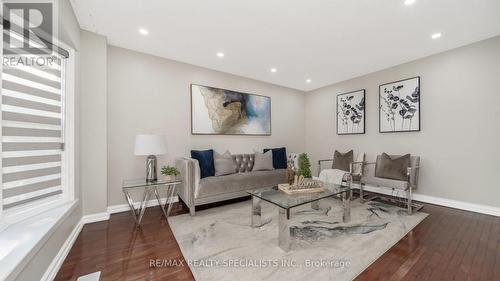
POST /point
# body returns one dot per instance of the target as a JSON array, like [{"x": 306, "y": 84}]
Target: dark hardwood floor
[{"x": 449, "y": 244}]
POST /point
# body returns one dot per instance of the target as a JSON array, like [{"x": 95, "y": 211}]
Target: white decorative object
[{"x": 302, "y": 185}]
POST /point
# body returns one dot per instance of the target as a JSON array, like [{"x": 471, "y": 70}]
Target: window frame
[{"x": 68, "y": 156}]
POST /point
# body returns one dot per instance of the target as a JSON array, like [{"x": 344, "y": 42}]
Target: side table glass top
[
  {"x": 138, "y": 183},
  {"x": 286, "y": 201}
]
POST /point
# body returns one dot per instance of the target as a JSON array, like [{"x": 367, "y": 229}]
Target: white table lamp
[{"x": 150, "y": 145}]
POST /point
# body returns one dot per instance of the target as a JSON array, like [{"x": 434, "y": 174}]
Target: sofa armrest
[{"x": 190, "y": 174}]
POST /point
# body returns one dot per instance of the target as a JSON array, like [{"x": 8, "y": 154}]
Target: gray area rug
[{"x": 220, "y": 244}]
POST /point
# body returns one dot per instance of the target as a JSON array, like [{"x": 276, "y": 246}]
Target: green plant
[
  {"x": 304, "y": 166},
  {"x": 169, "y": 171}
]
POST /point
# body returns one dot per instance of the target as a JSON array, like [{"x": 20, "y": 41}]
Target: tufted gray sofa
[{"x": 195, "y": 191}]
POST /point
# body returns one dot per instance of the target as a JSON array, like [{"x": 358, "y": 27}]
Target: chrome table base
[
  {"x": 148, "y": 192},
  {"x": 284, "y": 229},
  {"x": 284, "y": 217},
  {"x": 256, "y": 212}
]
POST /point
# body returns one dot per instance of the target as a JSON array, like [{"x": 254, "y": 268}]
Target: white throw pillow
[
  {"x": 263, "y": 161},
  {"x": 224, "y": 164}
]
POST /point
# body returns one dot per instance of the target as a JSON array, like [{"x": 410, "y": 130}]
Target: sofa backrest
[{"x": 244, "y": 162}]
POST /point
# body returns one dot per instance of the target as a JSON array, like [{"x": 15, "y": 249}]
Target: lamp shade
[{"x": 150, "y": 145}]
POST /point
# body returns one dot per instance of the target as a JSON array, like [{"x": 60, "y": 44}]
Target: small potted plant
[
  {"x": 170, "y": 173},
  {"x": 304, "y": 166}
]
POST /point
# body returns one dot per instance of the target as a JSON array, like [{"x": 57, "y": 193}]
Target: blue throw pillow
[
  {"x": 279, "y": 157},
  {"x": 206, "y": 160}
]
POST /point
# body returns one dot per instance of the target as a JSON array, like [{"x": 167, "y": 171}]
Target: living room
[{"x": 250, "y": 140}]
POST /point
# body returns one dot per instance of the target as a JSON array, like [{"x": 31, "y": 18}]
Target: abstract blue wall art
[{"x": 217, "y": 111}]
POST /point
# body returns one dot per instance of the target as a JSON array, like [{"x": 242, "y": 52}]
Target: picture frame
[
  {"x": 399, "y": 106},
  {"x": 218, "y": 111},
  {"x": 351, "y": 113}
]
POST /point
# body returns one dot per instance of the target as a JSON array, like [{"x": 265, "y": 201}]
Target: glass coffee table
[{"x": 285, "y": 202}]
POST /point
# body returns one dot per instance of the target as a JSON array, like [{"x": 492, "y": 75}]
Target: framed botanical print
[
  {"x": 399, "y": 106},
  {"x": 351, "y": 113}
]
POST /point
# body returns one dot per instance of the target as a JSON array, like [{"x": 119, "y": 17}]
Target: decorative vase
[
  {"x": 169, "y": 177},
  {"x": 290, "y": 172}
]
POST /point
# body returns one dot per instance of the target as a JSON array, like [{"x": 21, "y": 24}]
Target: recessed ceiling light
[
  {"x": 143, "y": 31},
  {"x": 436, "y": 35},
  {"x": 220, "y": 54},
  {"x": 308, "y": 80},
  {"x": 409, "y": 2},
  {"x": 273, "y": 70}
]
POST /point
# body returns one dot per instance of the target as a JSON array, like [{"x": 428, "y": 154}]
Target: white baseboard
[
  {"x": 477, "y": 208},
  {"x": 58, "y": 260},
  {"x": 104, "y": 216},
  {"x": 125, "y": 207}
]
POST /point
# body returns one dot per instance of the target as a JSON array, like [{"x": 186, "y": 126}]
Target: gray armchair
[
  {"x": 368, "y": 178},
  {"x": 353, "y": 175}
]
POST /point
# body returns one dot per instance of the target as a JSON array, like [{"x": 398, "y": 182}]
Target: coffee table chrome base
[
  {"x": 256, "y": 212},
  {"x": 148, "y": 192},
  {"x": 284, "y": 218},
  {"x": 284, "y": 229},
  {"x": 346, "y": 204}
]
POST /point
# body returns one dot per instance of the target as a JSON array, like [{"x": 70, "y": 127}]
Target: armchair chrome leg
[
  {"x": 350, "y": 186},
  {"x": 361, "y": 198},
  {"x": 192, "y": 210},
  {"x": 409, "y": 201}
]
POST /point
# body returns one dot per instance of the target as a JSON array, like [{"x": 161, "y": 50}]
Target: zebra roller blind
[{"x": 32, "y": 132}]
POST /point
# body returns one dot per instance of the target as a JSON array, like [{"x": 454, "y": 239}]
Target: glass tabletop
[
  {"x": 138, "y": 183},
  {"x": 286, "y": 201}
]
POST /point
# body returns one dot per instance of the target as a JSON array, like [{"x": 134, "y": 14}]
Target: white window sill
[{"x": 21, "y": 240}]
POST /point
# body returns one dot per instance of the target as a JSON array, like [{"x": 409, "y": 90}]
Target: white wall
[
  {"x": 460, "y": 133},
  {"x": 148, "y": 94},
  {"x": 93, "y": 130}
]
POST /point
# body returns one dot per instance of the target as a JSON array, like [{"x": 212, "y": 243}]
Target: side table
[{"x": 149, "y": 188}]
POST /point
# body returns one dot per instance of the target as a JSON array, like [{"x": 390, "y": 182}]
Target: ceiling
[{"x": 327, "y": 41}]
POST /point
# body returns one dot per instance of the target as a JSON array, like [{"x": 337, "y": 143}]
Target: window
[{"x": 36, "y": 135}]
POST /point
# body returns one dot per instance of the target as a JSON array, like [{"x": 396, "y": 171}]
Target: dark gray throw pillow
[
  {"x": 341, "y": 161},
  {"x": 392, "y": 168}
]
